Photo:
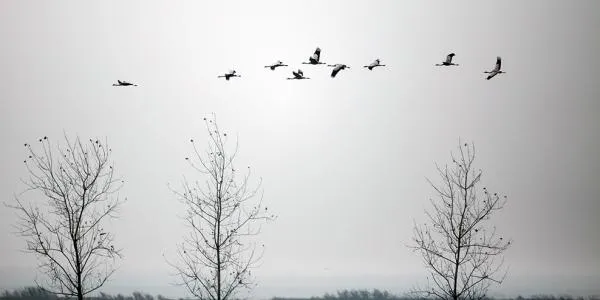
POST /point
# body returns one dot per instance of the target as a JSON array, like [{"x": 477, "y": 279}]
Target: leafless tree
[
  {"x": 63, "y": 227},
  {"x": 462, "y": 253},
  {"x": 216, "y": 258}
]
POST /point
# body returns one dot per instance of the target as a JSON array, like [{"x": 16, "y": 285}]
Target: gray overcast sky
[{"x": 343, "y": 161}]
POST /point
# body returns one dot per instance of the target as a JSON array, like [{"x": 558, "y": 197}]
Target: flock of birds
[{"x": 315, "y": 59}]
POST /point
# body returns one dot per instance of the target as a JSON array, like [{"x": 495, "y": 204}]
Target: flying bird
[
  {"x": 123, "y": 83},
  {"x": 448, "y": 61},
  {"x": 374, "y": 64},
  {"x": 315, "y": 58},
  {"x": 297, "y": 75},
  {"x": 337, "y": 68},
  {"x": 231, "y": 73},
  {"x": 275, "y": 65},
  {"x": 496, "y": 70}
]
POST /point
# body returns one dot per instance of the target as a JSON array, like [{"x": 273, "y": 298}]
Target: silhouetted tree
[
  {"x": 457, "y": 247},
  {"x": 216, "y": 259},
  {"x": 64, "y": 226}
]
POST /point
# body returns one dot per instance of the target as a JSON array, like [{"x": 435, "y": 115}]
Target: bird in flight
[
  {"x": 275, "y": 65},
  {"x": 315, "y": 58},
  {"x": 337, "y": 68},
  {"x": 297, "y": 75},
  {"x": 231, "y": 73},
  {"x": 374, "y": 64},
  {"x": 123, "y": 83},
  {"x": 448, "y": 61},
  {"x": 496, "y": 70}
]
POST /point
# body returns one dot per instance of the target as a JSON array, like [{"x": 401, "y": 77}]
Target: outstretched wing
[
  {"x": 317, "y": 55},
  {"x": 449, "y": 57},
  {"x": 498, "y": 63},
  {"x": 336, "y": 70}
]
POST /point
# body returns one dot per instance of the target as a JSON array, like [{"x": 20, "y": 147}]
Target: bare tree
[
  {"x": 64, "y": 226},
  {"x": 216, "y": 258},
  {"x": 462, "y": 253}
]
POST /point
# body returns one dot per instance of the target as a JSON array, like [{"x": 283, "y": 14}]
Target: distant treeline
[
  {"x": 37, "y": 293},
  {"x": 384, "y": 295}
]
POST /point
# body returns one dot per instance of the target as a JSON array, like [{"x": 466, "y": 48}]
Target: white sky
[{"x": 343, "y": 160}]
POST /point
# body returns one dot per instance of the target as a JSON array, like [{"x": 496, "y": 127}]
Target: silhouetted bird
[
  {"x": 315, "y": 58},
  {"x": 123, "y": 83},
  {"x": 297, "y": 75},
  {"x": 231, "y": 73},
  {"x": 374, "y": 64},
  {"x": 448, "y": 61},
  {"x": 275, "y": 65},
  {"x": 496, "y": 70},
  {"x": 337, "y": 68}
]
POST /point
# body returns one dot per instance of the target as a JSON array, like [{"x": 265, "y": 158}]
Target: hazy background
[{"x": 343, "y": 160}]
